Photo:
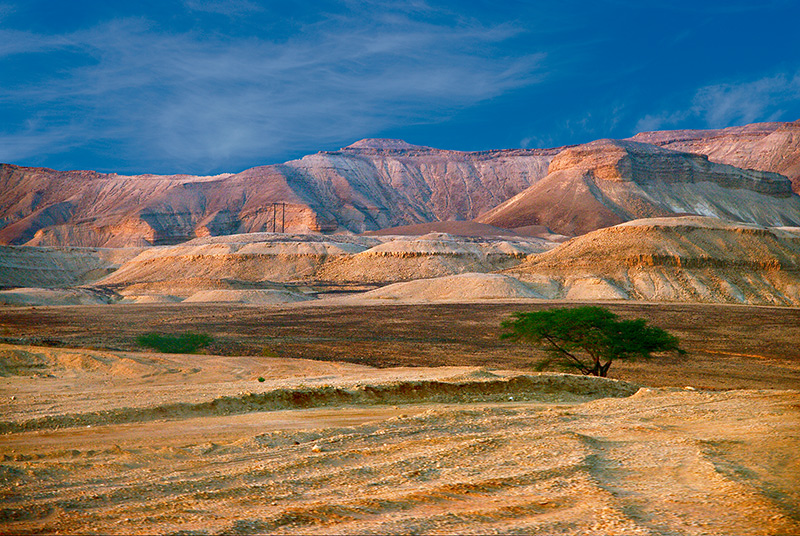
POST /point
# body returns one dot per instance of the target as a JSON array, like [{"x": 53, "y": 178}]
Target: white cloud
[
  {"x": 661, "y": 120},
  {"x": 723, "y": 105},
  {"x": 726, "y": 104},
  {"x": 202, "y": 102}
]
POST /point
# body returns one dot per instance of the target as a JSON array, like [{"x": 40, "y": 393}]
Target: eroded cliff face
[
  {"x": 763, "y": 146},
  {"x": 83, "y": 208},
  {"x": 266, "y": 260},
  {"x": 378, "y": 184},
  {"x": 690, "y": 258},
  {"x": 370, "y": 185},
  {"x": 607, "y": 182},
  {"x": 58, "y": 267}
]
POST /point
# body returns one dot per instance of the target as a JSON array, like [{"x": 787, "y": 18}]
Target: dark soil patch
[{"x": 728, "y": 346}]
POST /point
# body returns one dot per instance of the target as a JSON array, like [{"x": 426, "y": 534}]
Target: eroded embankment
[
  {"x": 542, "y": 387},
  {"x": 658, "y": 462}
]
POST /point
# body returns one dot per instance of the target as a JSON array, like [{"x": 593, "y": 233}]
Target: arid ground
[{"x": 392, "y": 419}]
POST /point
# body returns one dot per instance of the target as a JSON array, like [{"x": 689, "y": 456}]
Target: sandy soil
[
  {"x": 97, "y": 437},
  {"x": 195, "y": 444}
]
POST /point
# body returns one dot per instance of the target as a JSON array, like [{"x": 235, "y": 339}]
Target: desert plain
[{"x": 393, "y": 418}]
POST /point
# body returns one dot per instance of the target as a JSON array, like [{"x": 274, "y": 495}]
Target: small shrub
[
  {"x": 261, "y": 379},
  {"x": 186, "y": 343},
  {"x": 268, "y": 352}
]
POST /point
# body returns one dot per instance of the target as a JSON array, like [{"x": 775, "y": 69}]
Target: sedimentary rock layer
[
  {"x": 58, "y": 267},
  {"x": 370, "y": 185},
  {"x": 673, "y": 259},
  {"x": 377, "y": 184},
  {"x": 607, "y": 182},
  {"x": 245, "y": 262},
  {"x": 764, "y": 146}
]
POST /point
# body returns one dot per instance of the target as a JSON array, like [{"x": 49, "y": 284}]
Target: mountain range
[{"x": 749, "y": 174}]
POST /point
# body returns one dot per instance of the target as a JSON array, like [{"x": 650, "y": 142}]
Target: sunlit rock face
[
  {"x": 764, "y": 146},
  {"x": 376, "y": 184},
  {"x": 608, "y": 182},
  {"x": 688, "y": 258},
  {"x": 370, "y": 185}
]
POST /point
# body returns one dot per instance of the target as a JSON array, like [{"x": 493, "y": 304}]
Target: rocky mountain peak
[
  {"x": 611, "y": 159},
  {"x": 606, "y": 182},
  {"x": 384, "y": 144},
  {"x": 379, "y": 183},
  {"x": 771, "y": 147}
]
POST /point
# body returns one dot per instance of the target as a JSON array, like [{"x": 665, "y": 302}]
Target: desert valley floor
[{"x": 408, "y": 418}]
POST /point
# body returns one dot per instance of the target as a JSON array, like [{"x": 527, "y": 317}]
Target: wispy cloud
[
  {"x": 231, "y": 8},
  {"x": 189, "y": 100},
  {"x": 723, "y": 105}
]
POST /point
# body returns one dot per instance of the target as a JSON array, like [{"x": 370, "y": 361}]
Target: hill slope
[
  {"x": 688, "y": 258},
  {"x": 369, "y": 185},
  {"x": 607, "y": 182},
  {"x": 764, "y": 146},
  {"x": 375, "y": 184}
]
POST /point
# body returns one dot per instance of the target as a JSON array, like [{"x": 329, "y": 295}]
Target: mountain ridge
[
  {"x": 369, "y": 185},
  {"x": 606, "y": 182},
  {"x": 762, "y": 146}
]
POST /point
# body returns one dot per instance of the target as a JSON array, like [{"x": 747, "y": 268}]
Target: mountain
[
  {"x": 376, "y": 184},
  {"x": 369, "y": 185},
  {"x": 607, "y": 182},
  {"x": 763, "y": 146},
  {"x": 690, "y": 258}
]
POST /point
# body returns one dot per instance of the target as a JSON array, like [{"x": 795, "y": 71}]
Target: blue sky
[{"x": 209, "y": 86}]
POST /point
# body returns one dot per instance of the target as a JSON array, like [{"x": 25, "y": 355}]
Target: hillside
[
  {"x": 692, "y": 259},
  {"x": 369, "y": 185},
  {"x": 376, "y": 184},
  {"x": 607, "y": 182},
  {"x": 278, "y": 262},
  {"x": 763, "y": 146}
]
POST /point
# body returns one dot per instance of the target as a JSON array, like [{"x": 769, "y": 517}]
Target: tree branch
[{"x": 581, "y": 366}]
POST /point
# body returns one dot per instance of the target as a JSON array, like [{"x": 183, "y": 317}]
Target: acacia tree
[{"x": 587, "y": 338}]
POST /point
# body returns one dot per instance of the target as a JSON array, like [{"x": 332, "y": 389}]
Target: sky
[{"x": 213, "y": 86}]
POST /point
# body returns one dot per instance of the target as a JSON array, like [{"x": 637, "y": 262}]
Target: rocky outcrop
[
  {"x": 428, "y": 256},
  {"x": 608, "y": 182},
  {"x": 690, "y": 258},
  {"x": 241, "y": 262},
  {"x": 763, "y": 146},
  {"x": 83, "y": 208},
  {"x": 269, "y": 261},
  {"x": 22, "y": 266},
  {"x": 369, "y": 185}
]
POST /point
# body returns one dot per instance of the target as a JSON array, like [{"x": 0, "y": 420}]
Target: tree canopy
[{"x": 587, "y": 338}]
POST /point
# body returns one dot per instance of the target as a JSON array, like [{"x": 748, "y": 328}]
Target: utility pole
[
  {"x": 283, "y": 217},
  {"x": 273, "y": 216}
]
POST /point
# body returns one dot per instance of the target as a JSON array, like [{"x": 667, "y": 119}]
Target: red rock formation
[
  {"x": 369, "y": 185},
  {"x": 376, "y": 184},
  {"x": 607, "y": 182},
  {"x": 764, "y": 146}
]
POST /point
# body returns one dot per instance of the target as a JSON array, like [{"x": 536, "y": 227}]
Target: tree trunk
[{"x": 603, "y": 371}]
